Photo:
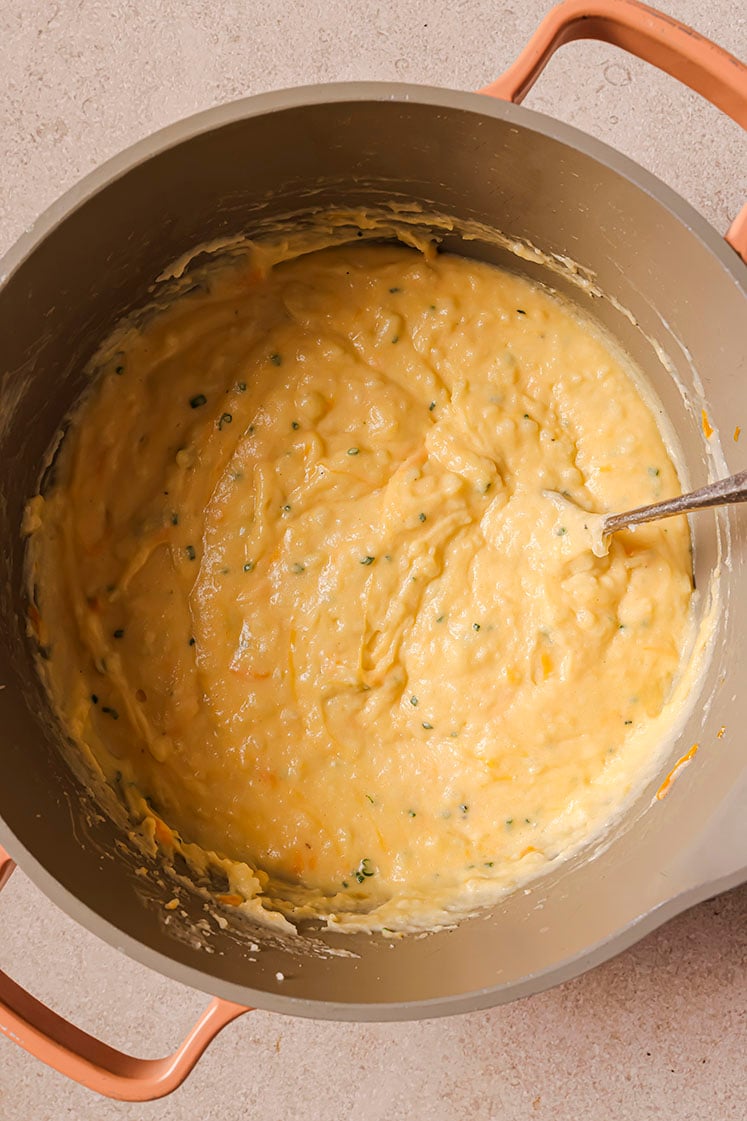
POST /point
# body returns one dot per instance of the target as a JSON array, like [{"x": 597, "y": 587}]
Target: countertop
[{"x": 660, "y": 1031}]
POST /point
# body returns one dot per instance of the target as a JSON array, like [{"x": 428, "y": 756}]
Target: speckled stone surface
[{"x": 661, "y": 1031}]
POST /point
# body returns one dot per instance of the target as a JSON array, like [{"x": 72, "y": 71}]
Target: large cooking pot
[{"x": 93, "y": 256}]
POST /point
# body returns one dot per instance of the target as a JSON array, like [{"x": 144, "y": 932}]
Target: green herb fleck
[
  {"x": 190, "y": 551},
  {"x": 489, "y": 863},
  {"x": 432, "y": 406},
  {"x": 520, "y": 311},
  {"x": 94, "y": 699},
  {"x": 241, "y": 386},
  {"x": 411, "y": 813},
  {"x": 653, "y": 472},
  {"x": 276, "y": 359},
  {"x": 370, "y": 799},
  {"x": 110, "y": 712},
  {"x": 198, "y": 401},
  {"x": 414, "y": 701},
  {"x": 440, "y": 618},
  {"x": 475, "y": 626},
  {"x": 628, "y": 721},
  {"x": 353, "y": 451},
  {"x": 299, "y": 568},
  {"x": 561, "y": 531},
  {"x": 119, "y": 633},
  {"x": 119, "y": 369},
  {"x": 175, "y": 519},
  {"x": 248, "y": 566},
  {"x": 395, "y": 339},
  {"x": 421, "y": 517},
  {"x": 364, "y": 870},
  {"x": 509, "y": 821},
  {"x": 526, "y": 416},
  {"x": 428, "y": 727},
  {"x": 393, "y": 290},
  {"x": 226, "y": 418},
  {"x": 464, "y": 808},
  {"x": 191, "y": 642},
  {"x": 432, "y": 307},
  {"x": 344, "y": 883},
  {"x": 367, "y": 560},
  {"x": 286, "y": 509},
  {"x": 295, "y": 425}
]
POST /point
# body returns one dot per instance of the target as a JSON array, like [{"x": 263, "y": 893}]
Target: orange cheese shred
[
  {"x": 707, "y": 426},
  {"x": 679, "y": 765}
]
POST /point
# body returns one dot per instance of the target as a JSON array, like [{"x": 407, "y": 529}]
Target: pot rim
[{"x": 278, "y": 101}]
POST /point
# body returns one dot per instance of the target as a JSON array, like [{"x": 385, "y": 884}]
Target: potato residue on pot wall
[{"x": 306, "y": 600}]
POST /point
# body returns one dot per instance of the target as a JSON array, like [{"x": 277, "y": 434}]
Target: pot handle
[
  {"x": 657, "y": 38},
  {"x": 84, "y": 1059}
]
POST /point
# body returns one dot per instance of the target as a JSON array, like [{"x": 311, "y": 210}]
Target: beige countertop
[{"x": 660, "y": 1031}]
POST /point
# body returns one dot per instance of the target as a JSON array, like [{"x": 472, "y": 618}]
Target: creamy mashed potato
[{"x": 302, "y": 588}]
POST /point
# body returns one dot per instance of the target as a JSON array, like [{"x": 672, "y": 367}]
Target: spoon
[{"x": 720, "y": 493}]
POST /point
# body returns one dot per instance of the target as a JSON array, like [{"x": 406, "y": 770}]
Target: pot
[{"x": 91, "y": 259}]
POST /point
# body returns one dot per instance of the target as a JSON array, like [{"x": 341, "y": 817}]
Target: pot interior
[{"x": 675, "y": 295}]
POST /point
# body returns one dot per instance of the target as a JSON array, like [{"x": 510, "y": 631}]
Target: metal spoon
[
  {"x": 721, "y": 493},
  {"x": 602, "y": 526}
]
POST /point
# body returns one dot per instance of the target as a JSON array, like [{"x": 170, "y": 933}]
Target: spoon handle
[{"x": 721, "y": 493}]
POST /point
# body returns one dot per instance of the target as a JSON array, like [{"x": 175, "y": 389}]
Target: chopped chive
[
  {"x": 241, "y": 386},
  {"x": 367, "y": 560},
  {"x": 110, "y": 712},
  {"x": 119, "y": 369},
  {"x": 370, "y": 799},
  {"x": 248, "y": 566},
  {"x": 364, "y": 870},
  {"x": 464, "y": 807},
  {"x": 520, "y": 311},
  {"x": 432, "y": 406},
  {"x": 344, "y": 883},
  {"x": 428, "y": 727},
  {"x": 432, "y": 307},
  {"x": 286, "y": 509},
  {"x": 175, "y": 519},
  {"x": 414, "y": 701},
  {"x": 276, "y": 359},
  {"x": 226, "y": 418},
  {"x": 421, "y": 517},
  {"x": 393, "y": 290},
  {"x": 94, "y": 699},
  {"x": 628, "y": 721},
  {"x": 295, "y": 425},
  {"x": 353, "y": 451},
  {"x": 561, "y": 531},
  {"x": 509, "y": 821},
  {"x": 526, "y": 416},
  {"x": 119, "y": 633},
  {"x": 411, "y": 813},
  {"x": 299, "y": 568},
  {"x": 440, "y": 618},
  {"x": 198, "y": 401},
  {"x": 191, "y": 642},
  {"x": 395, "y": 339},
  {"x": 489, "y": 863},
  {"x": 475, "y": 626},
  {"x": 653, "y": 472},
  {"x": 190, "y": 551}
]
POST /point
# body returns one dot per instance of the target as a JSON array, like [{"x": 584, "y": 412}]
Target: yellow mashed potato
[{"x": 301, "y": 586}]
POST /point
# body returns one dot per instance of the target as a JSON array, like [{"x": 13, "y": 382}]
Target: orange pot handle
[
  {"x": 87, "y": 1060},
  {"x": 657, "y": 38}
]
